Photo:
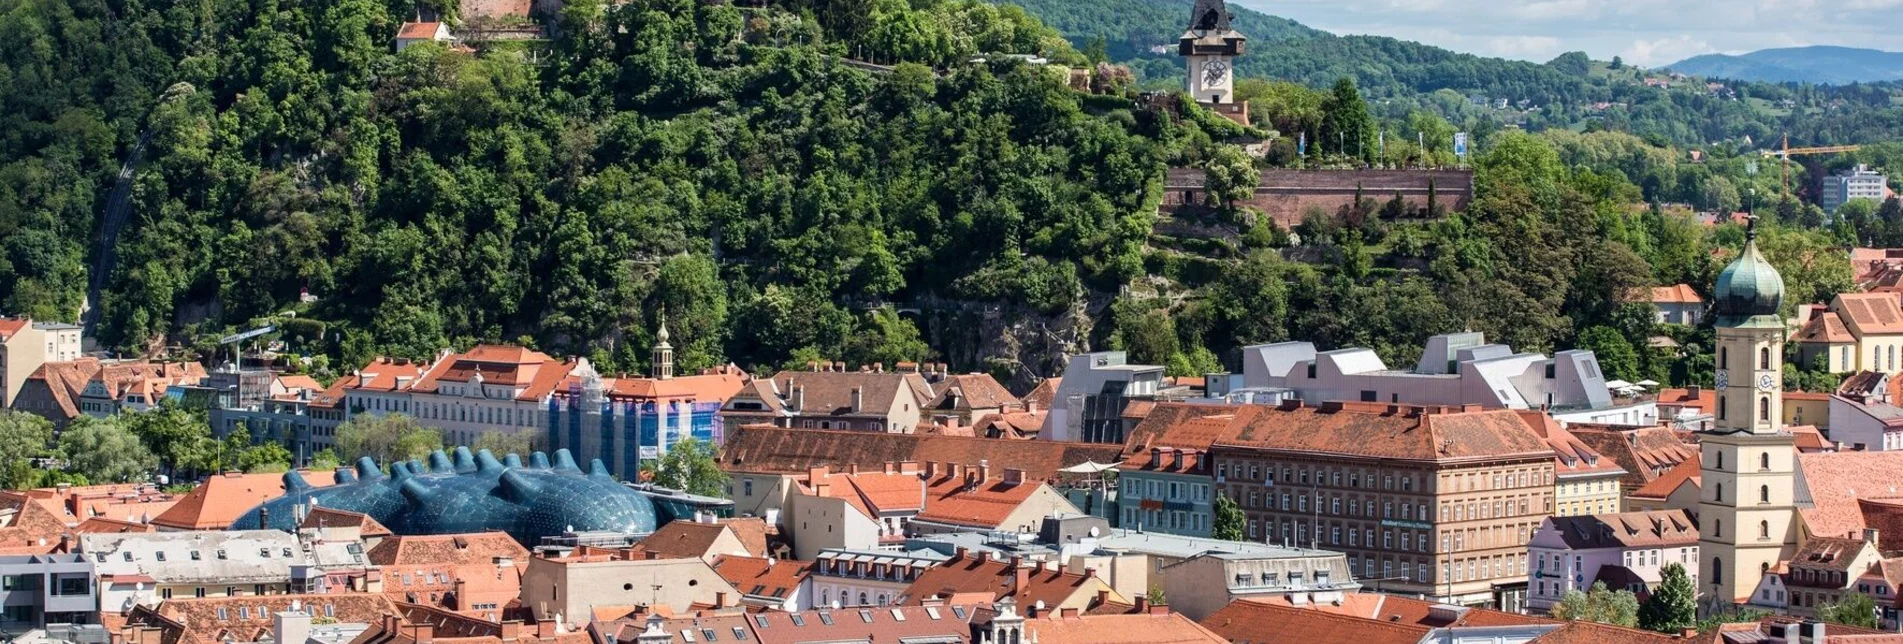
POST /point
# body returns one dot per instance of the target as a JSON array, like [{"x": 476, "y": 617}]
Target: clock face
[
  {"x": 1214, "y": 71},
  {"x": 1724, "y": 379},
  {"x": 1766, "y": 383}
]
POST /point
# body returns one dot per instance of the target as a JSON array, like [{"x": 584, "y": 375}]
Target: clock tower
[
  {"x": 1209, "y": 48},
  {"x": 1746, "y": 505}
]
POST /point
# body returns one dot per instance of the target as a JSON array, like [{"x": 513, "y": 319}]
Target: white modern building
[
  {"x": 150, "y": 567},
  {"x": 1089, "y": 403},
  {"x": 1858, "y": 183},
  {"x": 1456, "y": 369}
]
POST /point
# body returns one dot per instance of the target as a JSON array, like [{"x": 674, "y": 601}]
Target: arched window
[
  {"x": 1721, "y": 407},
  {"x": 1764, "y": 494},
  {"x": 1721, "y": 460},
  {"x": 1717, "y": 570},
  {"x": 1717, "y": 528},
  {"x": 1764, "y": 357},
  {"x": 1764, "y": 529},
  {"x": 1718, "y": 493},
  {"x": 862, "y": 598},
  {"x": 1724, "y": 357},
  {"x": 1764, "y": 408},
  {"x": 1764, "y": 461}
]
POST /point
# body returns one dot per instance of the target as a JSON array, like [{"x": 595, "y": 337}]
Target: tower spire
[{"x": 663, "y": 352}]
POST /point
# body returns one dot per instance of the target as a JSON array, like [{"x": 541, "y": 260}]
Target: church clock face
[
  {"x": 1724, "y": 379},
  {"x": 1214, "y": 71},
  {"x": 1765, "y": 383}
]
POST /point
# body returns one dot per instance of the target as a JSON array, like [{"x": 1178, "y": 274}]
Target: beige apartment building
[
  {"x": 25, "y": 345},
  {"x": 832, "y": 398},
  {"x": 1431, "y": 500},
  {"x": 567, "y": 587}
]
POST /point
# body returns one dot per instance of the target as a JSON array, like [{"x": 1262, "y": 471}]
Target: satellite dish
[{"x": 1093, "y": 531}]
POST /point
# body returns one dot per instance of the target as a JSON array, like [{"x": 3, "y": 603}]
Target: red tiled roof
[
  {"x": 1056, "y": 627},
  {"x": 295, "y": 382},
  {"x": 684, "y": 539},
  {"x": 1644, "y": 453},
  {"x": 1870, "y": 312},
  {"x": 105, "y": 525},
  {"x": 1398, "y": 609},
  {"x": 762, "y": 577},
  {"x": 200, "y": 620},
  {"x": 830, "y": 392},
  {"x": 1704, "y": 401},
  {"x": 752, "y": 532},
  {"x": 978, "y": 575},
  {"x": 532, "y": 373},
  {"x": 1169, "y": 418},
  {"x": 1015, "y": 425},
  {"x": 65, "y": 380},
  {"x": 322, "y": 517},
  {"x": 1809, "y": 438},
  {"x": 1387, "y": 431},
  {"x": 1837, "y": 480},
  {"x": 1595, "y": 633},
  {"x": 33, "y": 529},
  {"x": 1573, "y": 457},
  {"x": 870, "y": 492},
  {"x": 222, "y": 498},
  {"x": 382, "y": 374},
  {"x": 1655, "y": 529},
  {"x": 1675, "y": 294},
  {"x": 461, "y": 588},
  {"x": 1824, "y": 327},
  {"x": 418, "y": 30},
  {"x": 1040, "y": 396},
  {"x": 972, "y": 391},
  {"x": 470, "y": 548},
  {"x": 984, "y": 505},
  {"x": 10, "y": 326},
  {"x": 1250, "y": 622},
  {"x": 1665, "y": 484},
  {"x": 869, "y": 624},
  {"x": 774, "y": 450},
  {"x": 714, "y": 387}
]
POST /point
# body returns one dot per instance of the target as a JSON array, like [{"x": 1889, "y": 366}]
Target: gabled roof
[
  {"x": 467, "y": 589},
  {"x": 685, "y": 538},
  {"x": 872, "y": 493},
  {"x": 762, "y": 577},
  {"x": 709, "y": 387},
  {"x": 382, "y": 374},
  {"x": 532, "y": 374},
  {"x": 1828, "y": 553},
  {"x": 418, "y": 30},
  {"x": 1703, "y": 400},
  {"x": 65, "y": 380},
  {"x": 32, "y": 530},
  {"x": 1398, "y": 609},
  {"x": 1644, "y": 453},
  {"x": 1870, "y": 312},
  {"x": 1583, "y": 632},
  {"x": 1667, "y": 483},
  {"x": 102, "y": 524},
  {"x": 471, "y": 548},
  {"x": 1835, "y": 481},
  {"x": 1162, "y": 627},
  {"x": 971, "y": 391},
  {"x": 1573, "y": 458},
  {"x": 1041, "y": 396},
  {"x": 1171, "y": 420},
  {"x": 1388, "y": 431},
  {"x": 1659, "y": 528},
  {"x": 1675, "y": 294},
  {"x": 1824, "y": 327},
  {"x": 208, "y": 620},
  {"x": 868, "y": 624},
  {"x": 323, "y": 517},
  {"x": 775, "y": 450},
  {"x": 829, "y": 393},
  {"x": 1010, "y": 424},
  {"x": 1249, "y": 622},
  {"x": 222, "y": 498},
  {"x": 973, "y": 574},
  {"x": 984, "y": 504},
  {"x": 10, "y": 326}
]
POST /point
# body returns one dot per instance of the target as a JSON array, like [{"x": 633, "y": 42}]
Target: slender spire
[{"x": 663, "y": 352}]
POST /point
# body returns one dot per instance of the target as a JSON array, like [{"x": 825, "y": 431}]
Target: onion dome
[{"x": 1750, "y": 286}]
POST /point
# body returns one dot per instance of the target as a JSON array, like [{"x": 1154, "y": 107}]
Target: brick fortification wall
[{"x": 1285, "y": 194}]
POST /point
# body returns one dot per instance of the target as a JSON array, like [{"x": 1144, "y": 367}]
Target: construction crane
[{"x": 1787, "y": 152}]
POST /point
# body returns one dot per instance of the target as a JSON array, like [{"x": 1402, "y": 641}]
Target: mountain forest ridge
[{"x": 1816, "y": 64}]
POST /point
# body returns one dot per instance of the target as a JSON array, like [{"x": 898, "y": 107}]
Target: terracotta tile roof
[
  {"x": 532, "y": 374},
  {"x": 774, "y": 450},
  {"x": 1016, "y": 425},
  {"x": 936, "y": 429},
  {"x": 1596, "y": 633},
  {"x": 322, "y": 517},
  {"x": 10, "y": 326},
  {"x": 418, "y": 30},
  {"x": 102, "y": 524},
  {"x": 980, "y": 576},
  {"x": 869, "y": 624},
  {"x": 871, "y": 493},
  {"x": 762, "y": 577},
  {"x": 712, "y": 387},
  {"x": 1397, "y": 609},
  {"x": 33, "y": 529},
  {"x": 752, "y": 532},
  {"x": 448, "y": 627},
  {"x": 1169, "y": 418},
  {"x": 986, "y": 505},
  {"x": 295, "y": 382},
  {"x": 382, "y": 374},
  {"x": 1809, "y": 438},
  {"x": 480, "y": 590},
  {"x": 1827, "y": 553},
  {"x": 470, "y": 548},
  {"x": 222, "y": 498},
  {"x": 1863, "y": 383},
  {"x": 684, "y": 539},
  {"x": 65, "y": 380},
  {"x": 1041, "y": 396},
  {"x": 1573, "y": 457},
  {"x": 1249, "y": 622},
  {"x": 1886, "y": 516},
  {"x": 971, "y": 391},
  {"x": 1837, "y": 480},
  {"x": 200, "y": 620},
  {"x": 1870, "y": 312},
  {"x": 1055, "y": 627},
  {"x": 1703, "y": 400},
  {"x": 1659, "y": 528},
  {"x": 627, "y": 628},
  {"x": 1823, "y": 327},
  {"x": 829, "y": 393},
  {"x": 1644, "y": 453},
  {"x": 1663, "y": 486},
  {"x": 1387, "y": 431},
  {"x": 1137, "y": 409},
  {"x": 1675, "y": 294}
]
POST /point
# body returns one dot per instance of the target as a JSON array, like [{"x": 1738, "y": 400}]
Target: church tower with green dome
[{"x": 1746, "y": 507}]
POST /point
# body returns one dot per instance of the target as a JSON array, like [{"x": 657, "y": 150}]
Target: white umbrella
[
  {"x": 1648, "y": 383},
  {"x": 1618, "y": 384},
  {"x": 1088, "y": 467}
]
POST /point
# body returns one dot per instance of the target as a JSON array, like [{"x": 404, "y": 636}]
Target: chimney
[
  {"x": 544, "y": 628},
  {"x": 423, "y": 633},
  {"x": 961, "y": 553},
  {"x": 908, "y": 467},
  {"x": 511, "y": 631},
  {"x": 292, "y": 626},
  {"x": 984, "y": 470},
  {"x": 1021, "y": 575},
  {"x": 878, "y": 367},
  {"x": 1143, "y": 604},
  {"x": 799, "y": 398},
  {"x": 1692, "y": 392},
  {"x": 1030, "y": 406},
  {"x": 462, "y": 594},
  {"x": 812, "y": 365},
  {"x": 891, "y": 467},
  {"x": 1869, "y": 536},
  {"x": 858, "y": 399},
  {"x": 264, "y": 518},
  {"x": 853, "y": 469}
]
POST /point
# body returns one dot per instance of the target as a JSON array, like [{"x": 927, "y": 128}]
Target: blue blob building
[{"x": 470, "y": 493}]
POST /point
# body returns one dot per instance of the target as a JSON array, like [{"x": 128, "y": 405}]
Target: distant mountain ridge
[{"x": 1818, "y": 64}]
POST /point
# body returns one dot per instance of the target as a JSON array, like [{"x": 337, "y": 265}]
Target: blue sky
[{"x": 1647, "y": 32}]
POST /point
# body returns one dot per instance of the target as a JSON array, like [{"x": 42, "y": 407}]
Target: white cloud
[{"x": 1664, "y": 51}]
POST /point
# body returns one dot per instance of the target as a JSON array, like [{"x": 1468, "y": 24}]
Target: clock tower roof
[
  {"x": 1209, "y": 15},
  {"x": 1750, "y": 286}
]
